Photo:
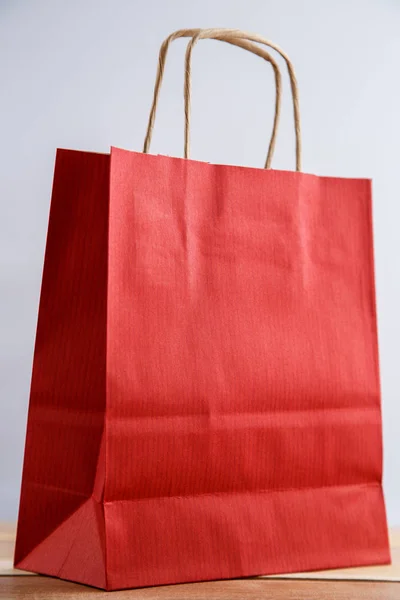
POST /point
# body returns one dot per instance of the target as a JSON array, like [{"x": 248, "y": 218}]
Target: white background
[{"x": 80, "y": 73}]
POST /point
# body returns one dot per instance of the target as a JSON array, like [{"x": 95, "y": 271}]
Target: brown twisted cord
[
  {"x": 226, "y": 38},
  {"x": 223, "y": 34}
]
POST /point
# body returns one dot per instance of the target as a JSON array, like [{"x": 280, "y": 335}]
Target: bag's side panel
[
  {"x": 67, "y": 401},
  {"x": 75, "y": 550}
]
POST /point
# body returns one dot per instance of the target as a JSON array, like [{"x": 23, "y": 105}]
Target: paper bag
[{"x": 205, "y": 397}]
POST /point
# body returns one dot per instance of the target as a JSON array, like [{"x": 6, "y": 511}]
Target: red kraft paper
[{"x": 205, "y": 397}]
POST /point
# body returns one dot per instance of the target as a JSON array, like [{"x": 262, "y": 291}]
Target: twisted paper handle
[
  {"x": 237, "y": 34},
  {"x": 242, "y": 43}
]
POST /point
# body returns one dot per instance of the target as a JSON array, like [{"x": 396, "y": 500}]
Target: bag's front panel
[{"x": 242, "y": 352}]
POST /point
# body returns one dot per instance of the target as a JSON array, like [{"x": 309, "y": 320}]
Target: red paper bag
[{"x": 205, "y": 397}]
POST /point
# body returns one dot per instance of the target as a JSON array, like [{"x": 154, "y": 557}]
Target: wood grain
[{"x": 45, "y": 588}]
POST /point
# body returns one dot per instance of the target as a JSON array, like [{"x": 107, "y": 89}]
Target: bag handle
[{"x": 224, "y": 36}]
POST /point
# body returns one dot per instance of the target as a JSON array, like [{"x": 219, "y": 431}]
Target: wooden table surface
[{"x": 367, "y": 583}]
